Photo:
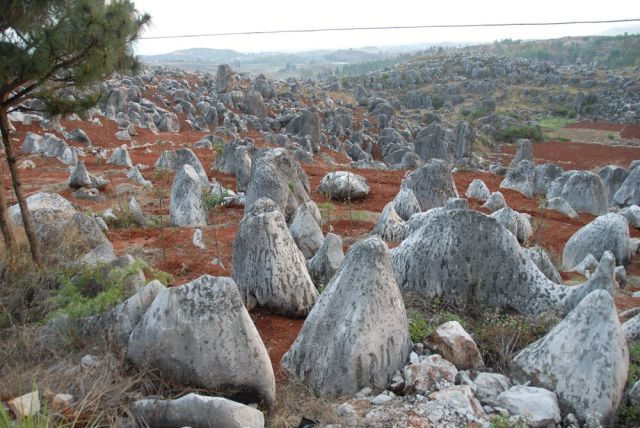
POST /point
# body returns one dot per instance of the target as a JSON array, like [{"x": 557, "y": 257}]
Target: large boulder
[
  {"x": 478, "y": 190},
  {"x": 495, "y": 202},
  {"x": 464, "y": 254},
  {"x": 326, "y": 261},
  {"x": 305, "y": 230},
  {"x": 435, "y": 142},
  {"x": 344, "y": 185},
  {"x": 307, "y": 123},
  {"x": 545, "y": 175},
  {"x": 359, "y": 327},
  {"x": 80, "y": 176},
  {"x": 538, "y": 406},
  {"x": 584, "y": 359},
  {"x": 186, "y": 203},
  {"x": 629, "y": 191},
  {"x": 174, "y": 160},
  {"x": 225, "y": 81},
  {"x": 268, "y": 267},
  {"x": 432, "y": 184},
  {"x": 197, "y": 411},
  {"x": 430, "y": 374},
  {"x": 464, "y": 139},
  {"x": 583, "y": 190},
  {"x": 524, "y": 151},
  {"x": 609, "y": 232},
  {"x": 201, "y": 334},
  {"x": 613, "y": 176},
  {"x": 405, "y": 203},
  {"x": 279, "y": 177},
  {"x": 390, "y": 226},
  {"x": 521, "y": 178}
]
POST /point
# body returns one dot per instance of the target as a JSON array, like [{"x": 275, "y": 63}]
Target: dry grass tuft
[{"x": 295, "y": 401}]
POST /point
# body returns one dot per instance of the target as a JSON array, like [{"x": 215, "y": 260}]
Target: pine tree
[{"x": 54, "y": 51}]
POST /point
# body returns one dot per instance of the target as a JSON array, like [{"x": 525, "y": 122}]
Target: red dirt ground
[{"x": 599, "y": 126}]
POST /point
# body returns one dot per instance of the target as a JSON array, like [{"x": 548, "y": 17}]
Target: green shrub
[
  {"x": 628, "y": 413},
  {"x": 514, "y": 133},
  {"x": 212, "y": 200},
  {"x": 94, "y": 289},
  {"x": 417, "y": 325},
  {"x": 437, "y": 101}
]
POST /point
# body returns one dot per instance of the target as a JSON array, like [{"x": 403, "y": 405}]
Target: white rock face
[
  {"x": 539, "y": 256},
  {"x": 537, "y": 405},
  {"x": 495, "y": 202},
  {"x": 135, "y": 176},
  {"x": 432, "y": 184},
  {"x": 197, "y": 411},
  {"x": 44, "y": 208},
  {"x": 609, "y": 232},
  {"x": 545, "y": 175},
  {"x": 587, "y": 372},
  {"x": 458, "y": 254},
  {"x": 268, "y": 267},
  {"x": 390, "y": 227},
  {"x": 201, "y": 334},
  {"x": 431, "y": 374},
  {"x": 305, "y": 230},
  {"x": 456, "y": 345},
  {"x": 186, "y": 204},
  {"x": 489, "y": 386},
  {"x": 174, "y": 160},
  {"x": 461, "y": 398},
  {"x": 583, "y": 190},
  {"x": 560, "y": 205},
  {"x": 632, "y": 214},
  {"x": 326, "y": 261},
  {"x": 521, "y": 178},
  {"x": 120, "y": 157},
  {"x": 629, "y": 192},
  {"x": 478, "y": 190},
  {"x": 343, "y": 185},
  {"x": 631, "y": 328},
  {"x": 405, "y": 203},
  {"x": 80, "y": 176},
  {"x": 359, "y": 326},
  {"x": 524, "y": 151}
]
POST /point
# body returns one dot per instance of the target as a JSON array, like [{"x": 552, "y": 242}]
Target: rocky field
[{"x": 451, "y": 241}]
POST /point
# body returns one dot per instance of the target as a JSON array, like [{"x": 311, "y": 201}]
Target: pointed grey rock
[
  {"x": 632, "y": 214},
  {"x": 584, "y": 359},
  {"x": 478, "y": 190},
  {"x": 545, "y": 174},
  {"x": 80, "y": 176},
  {"x": 583, "y": 190},
  {"x": 629, "y": 191},
  {"x": 138, "y": 215},
  {"x": 462, "y": 254},
  {"x": 435, "y": 142},
  {"x": 612, "y": 176},
  {"x": 305, "y": 231},
  {"x": 524, "y": 151},
  {"x": 560, "y": 205},
  {"x": 359, "y": 326},
  {"x": 390, "y": 227},
  {"x": 495, "y": 202},
  {"x": 405, "y": 203},
  {"x": 135, "y": 175},
  {"x": 268, "y": 267},
  {"x": 120, "y": 157},
  {"x": 80, "y": 136},
  {"x": 201, "y": 334},
  {"x": 432, "y": 184},
  {"x": 186, "y": 204},
  {"x": 539, "y": 256},
  {"x": 33, "y": 143},
  {"x": 174, "y": 160},
  {"x": 326, "y": 261}
]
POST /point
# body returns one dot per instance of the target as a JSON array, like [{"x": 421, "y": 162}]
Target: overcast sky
[{"x": 178, "y": 17}]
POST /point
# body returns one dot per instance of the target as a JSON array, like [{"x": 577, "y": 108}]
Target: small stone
[
  {"x": 413, "y": 358},
  {"x": 381, "y": 399},
  {"x": 25, "y": 405},
  {"x": 88, "y": 361},
  {"x": 197, "y": 240},
  {"x": 363, "y": 393},
  {"x": 28, "y": 164},
  {"x": 61, "y": 401}
]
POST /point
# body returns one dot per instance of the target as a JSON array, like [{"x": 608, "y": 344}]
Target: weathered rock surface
[
  {"x": 432, "y": 184},
  {"x": 390, "y": 227},
  {"x": 197, "y": 411},
  {"x": 268, "y": 267},
  {"x": 609, "y": 232},
  {"x": 539, "y": 256},
  {"x": 279, "y": 177},
  {"x": 326, "y": 261},
  {"x": 586, "y": 371},
  {"x": 538, "y": 406},
  {"x": 120, "y": 157},
  {"x": 495, "y": 202},
  {"x": 405, "y": 203},
  {"x": 524, "y": 151},
  {"x": 560, "y": 205},
  {"x": 435, "y": 142},
  {"x": 629, "y": 191},
  {"x": 186, "y": 203},
  {"x": 455, "y": 345},
  {"x": 305, "y": 230},
  {"x": 431, "y": 374},
  {"x": 521, "y": 178},
  {"x": 613, "y": 176},
  {"x": 478, "y": 190},
  {"x": 201, "y": 334},
  {"x": 174, "y": 160},
  {"x": 489, "y": 386},
  {"x": 343, "y": 185},
  {"x": 583, "y": 190},
  {"x": 359, "y": 326},
  {"x": 545, "y": 175},
  {"x": 462, "y": 254}
]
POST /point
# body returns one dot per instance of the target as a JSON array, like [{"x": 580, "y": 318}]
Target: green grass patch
[
  {"x": 514, "y": 133},
  {"x": 554, "y": 123}
]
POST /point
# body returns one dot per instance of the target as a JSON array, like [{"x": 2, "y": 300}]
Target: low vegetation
[{"x": 514, "y": 133}]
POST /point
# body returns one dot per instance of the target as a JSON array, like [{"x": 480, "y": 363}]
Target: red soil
[
  {"x": 631, "y": 132},
  {"x": 598, "y": 126}
]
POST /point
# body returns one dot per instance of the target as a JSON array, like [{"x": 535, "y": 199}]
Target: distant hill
[
  {"x": 618, "y": 31},
  {"x": 194, "y": 55}
]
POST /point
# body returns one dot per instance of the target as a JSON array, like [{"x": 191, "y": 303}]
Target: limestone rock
[
  {"x": 524, "y": 151},
  {"x": 495, "y": 202},
  {"x": 279, "y": 177},
  {"x": 344, "y": 185},
  {"x": 305, "y": 230},
  {"x": 80, "y": 176},
  {"x": 405, "y": 203},
  {"x": 432, "y": 184},
  {"x": 201, "y": 334},
  {"x": 586, "y": 372},
  {"x": 435, "y": 142},
  {"x": 186, "y": 204},
  {"x": 174, "y": 160},
  {"x": 545, "y": 174},
  {"x": 478, "y": 190},
  {"x": 521, "y": 178},
  {"x": 120, "y": 157},
  {"x": 489, "y": 386},
  {"x": 539, "y": 256},
  {"x": 268, "y": 267},
  {"x": 390, "y": 227},
  {"x": 464, "y": 138},
  {"x": 629, "y": 191},
  {"x": 609, "y": 232},
  {"x": 197, "y": 411},
  {"x": 431, "y": 374},
  {"x": 26, "y": 405},
  {"x": 560, "y": 205},
  {"x": 583, "y": 190},
  {"x": 613, "y": 177},
  {"x": 459, "y": 254},
  {"x": 326, "y": 261},
  {"x": 455, "y": 345},
  {"x": 632, "y": 214},
  {"x": 538, "y": 406},
  {"x": 359, "y": 326}
]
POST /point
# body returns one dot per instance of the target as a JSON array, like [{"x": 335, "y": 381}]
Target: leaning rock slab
[
  {"x": 359, "y": 326},
  {"x": 305, "y": 230},
  {"x": 390, "y": 227},
  {"x": 629, "y": 191},
  {"x": 197, "y": 411},
  {"x": 268, "y": 267},
  {"x": 584, "y": 359},
  {"x": 405, "y": 203},
  {"x": 201, "y": 334}
]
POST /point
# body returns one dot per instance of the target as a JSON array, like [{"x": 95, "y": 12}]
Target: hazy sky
[{"x": 178, "y": 17}]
